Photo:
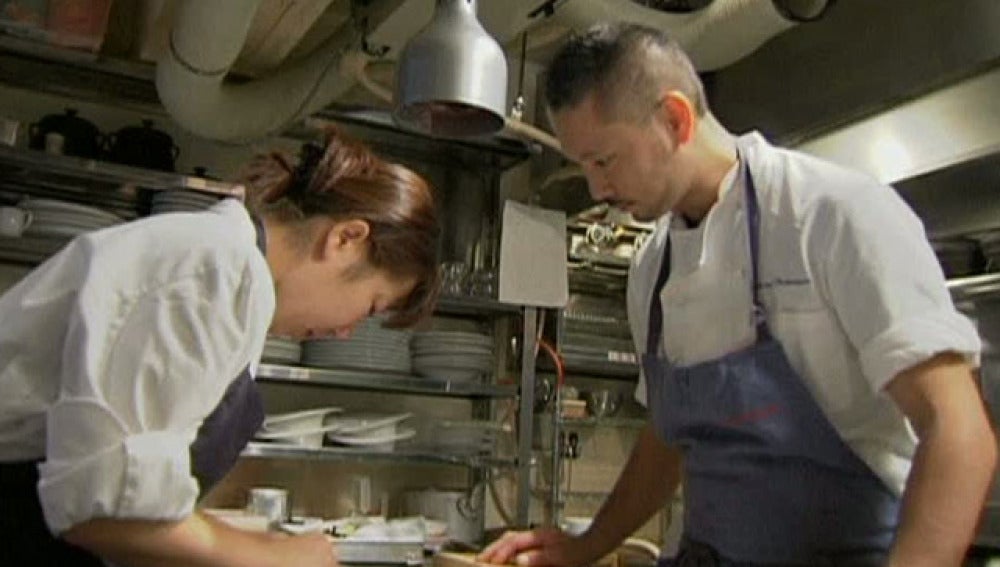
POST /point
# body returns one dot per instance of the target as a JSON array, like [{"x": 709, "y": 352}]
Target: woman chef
[{"x": 126, "y": 387}]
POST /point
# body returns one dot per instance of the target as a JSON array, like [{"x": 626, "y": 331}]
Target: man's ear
[
  {"x": 679, "y": 112},
  {"x": 346, "y": 236}
]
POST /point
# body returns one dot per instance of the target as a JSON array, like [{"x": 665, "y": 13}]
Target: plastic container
[
  {"x": 24, "y": 17},
  {"x": 80, "y": 24}
]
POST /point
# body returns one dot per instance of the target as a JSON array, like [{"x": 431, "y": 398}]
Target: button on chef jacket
[
  {"x": 114, "y": 351},
  {"x": 851, "y": 287}
]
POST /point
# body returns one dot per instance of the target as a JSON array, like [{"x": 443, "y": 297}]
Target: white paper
[{"x": 533, "y": 257}]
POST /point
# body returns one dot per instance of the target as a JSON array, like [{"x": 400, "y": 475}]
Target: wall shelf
[
  {"x": 472, "y": 305},
  {"x": 381, "y": 381},
  {"x": 627, "y": 422},
  {"x": 401, "y": 455},
  {"x": 974, "y": 286},
  {"x": 32, "y": 169}
]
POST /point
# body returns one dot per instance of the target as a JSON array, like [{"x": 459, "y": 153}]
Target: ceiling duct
[
  {"x": 719, "y": 34},
  {"x": 205, "y": 40},
  {"x": 674, "y": 6},
  {"x": 452, "y": 77}
]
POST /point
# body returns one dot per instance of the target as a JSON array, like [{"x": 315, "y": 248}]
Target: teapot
[
  {"x": 80, "y": 136},
  {"x": 143, "y": 146}
]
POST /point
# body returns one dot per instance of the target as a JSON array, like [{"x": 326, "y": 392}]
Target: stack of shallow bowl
[
  {"x": 452, "y": 355},
  {"x": 52, "y": 218},
  {"x": 281, "y": 351},
  {"x": 370, "y": 347},
  {"x": 181, "y": 201}
]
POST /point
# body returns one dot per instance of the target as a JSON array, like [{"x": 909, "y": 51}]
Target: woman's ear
[
  {"x": 680, "y": 114},
  {"x": 349, "y": 235}
]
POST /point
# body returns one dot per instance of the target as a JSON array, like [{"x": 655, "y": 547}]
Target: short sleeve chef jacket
[
  {"x": 114, "y": 351},
  {"x": 851, "y": 288}
]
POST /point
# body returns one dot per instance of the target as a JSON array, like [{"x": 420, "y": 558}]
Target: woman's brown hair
[{"x": 343, "y": 180}]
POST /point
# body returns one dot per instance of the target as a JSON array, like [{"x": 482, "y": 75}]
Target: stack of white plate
[
  {"x": 372, "y": 432},
  {"x": 463, "y": 437},
  {"x": 452, "y": 355},
  {"x": 370, "y": 347},
  {"x": 181, "y": 201},
  {"x": 61, "y": 219},
  {"x": 281, "y": 351}
]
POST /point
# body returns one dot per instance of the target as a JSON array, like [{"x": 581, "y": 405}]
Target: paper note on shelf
[{"x": 533, "y": 256}]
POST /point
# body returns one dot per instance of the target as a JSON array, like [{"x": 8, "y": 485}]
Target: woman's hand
[{"x": 309, "y": 550}]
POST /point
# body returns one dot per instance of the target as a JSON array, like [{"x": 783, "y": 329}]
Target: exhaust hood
[{"x": 947, "y": 127}]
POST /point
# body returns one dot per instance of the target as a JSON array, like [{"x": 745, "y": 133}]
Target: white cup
[
  {"x": 272, "y": 503},
  {"x": 54, "y": 143},
  {"x": 8, "y": 131},
  {"x": 13, "y": 221}
]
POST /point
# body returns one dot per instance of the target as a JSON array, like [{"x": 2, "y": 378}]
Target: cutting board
[{"x": 453, "y": 559}]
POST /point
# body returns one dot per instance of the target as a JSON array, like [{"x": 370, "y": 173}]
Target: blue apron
[
  {"x": 767, "y": 479},
  {"x": 218, "y": 444}
]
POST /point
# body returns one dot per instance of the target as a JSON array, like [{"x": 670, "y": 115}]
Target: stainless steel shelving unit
[{"x": 120, "y": 189}]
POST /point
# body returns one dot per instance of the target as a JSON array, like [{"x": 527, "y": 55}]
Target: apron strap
[
  {"x": 753, "y": 228},
  {"x": 656, "y": 306}
]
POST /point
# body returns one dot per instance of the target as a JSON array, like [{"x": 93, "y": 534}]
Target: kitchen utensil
[
  {"x": 602, "y": 403},
  {"x": 80, "y": 137},
  {"x": 143, "y": 146},
  {"x": 462, "y": 510},
  {"x": 13, "y": 221}
]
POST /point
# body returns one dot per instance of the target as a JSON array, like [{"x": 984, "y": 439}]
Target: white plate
[
  {"x": 355, "y": 425},
  {"x": 56, "y": 205},
  {"x": 292, "y": 433},
  {"x": 302, "y": 415},
  {"x": 373, "y": 440}
]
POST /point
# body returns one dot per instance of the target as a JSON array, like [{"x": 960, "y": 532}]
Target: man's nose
[{"x": 601, "y": 188}]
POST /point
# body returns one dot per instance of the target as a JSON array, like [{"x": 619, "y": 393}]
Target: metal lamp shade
[{"x": 452, "y": 76}]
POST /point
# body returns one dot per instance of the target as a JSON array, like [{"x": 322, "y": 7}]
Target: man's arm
[
  {"x": 953, "y": 466},
  {"x": 197, "y": 541},
  {"x": 649, "y": 477}
]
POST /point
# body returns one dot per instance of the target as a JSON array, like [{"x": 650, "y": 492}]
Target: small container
[{"x": 272, "y": 503}]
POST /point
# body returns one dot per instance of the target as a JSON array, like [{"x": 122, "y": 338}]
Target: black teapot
[
  {"x": 143, "y": 146},
  {"x": 80, "y": 137}
]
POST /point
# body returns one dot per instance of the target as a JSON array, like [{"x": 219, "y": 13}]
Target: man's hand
[{"x": 546, "y": 547}]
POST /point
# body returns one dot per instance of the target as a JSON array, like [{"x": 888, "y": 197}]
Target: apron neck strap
[{"x": 656, "y": 306}]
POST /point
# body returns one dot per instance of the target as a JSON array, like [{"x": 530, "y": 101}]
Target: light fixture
[{"x": 452, "y": 76}]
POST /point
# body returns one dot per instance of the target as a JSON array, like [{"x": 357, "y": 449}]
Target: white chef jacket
[
  {"x": 113, "y": 352},
  {"x": 850, "y": 285}
]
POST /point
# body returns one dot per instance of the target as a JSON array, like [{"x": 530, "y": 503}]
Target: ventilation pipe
[
  {"x": 718, "y": 35},
  {"x": 205, "y": 41}
]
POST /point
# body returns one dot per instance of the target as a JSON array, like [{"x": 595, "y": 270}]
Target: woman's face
[{"x": 330, "y": 291}]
